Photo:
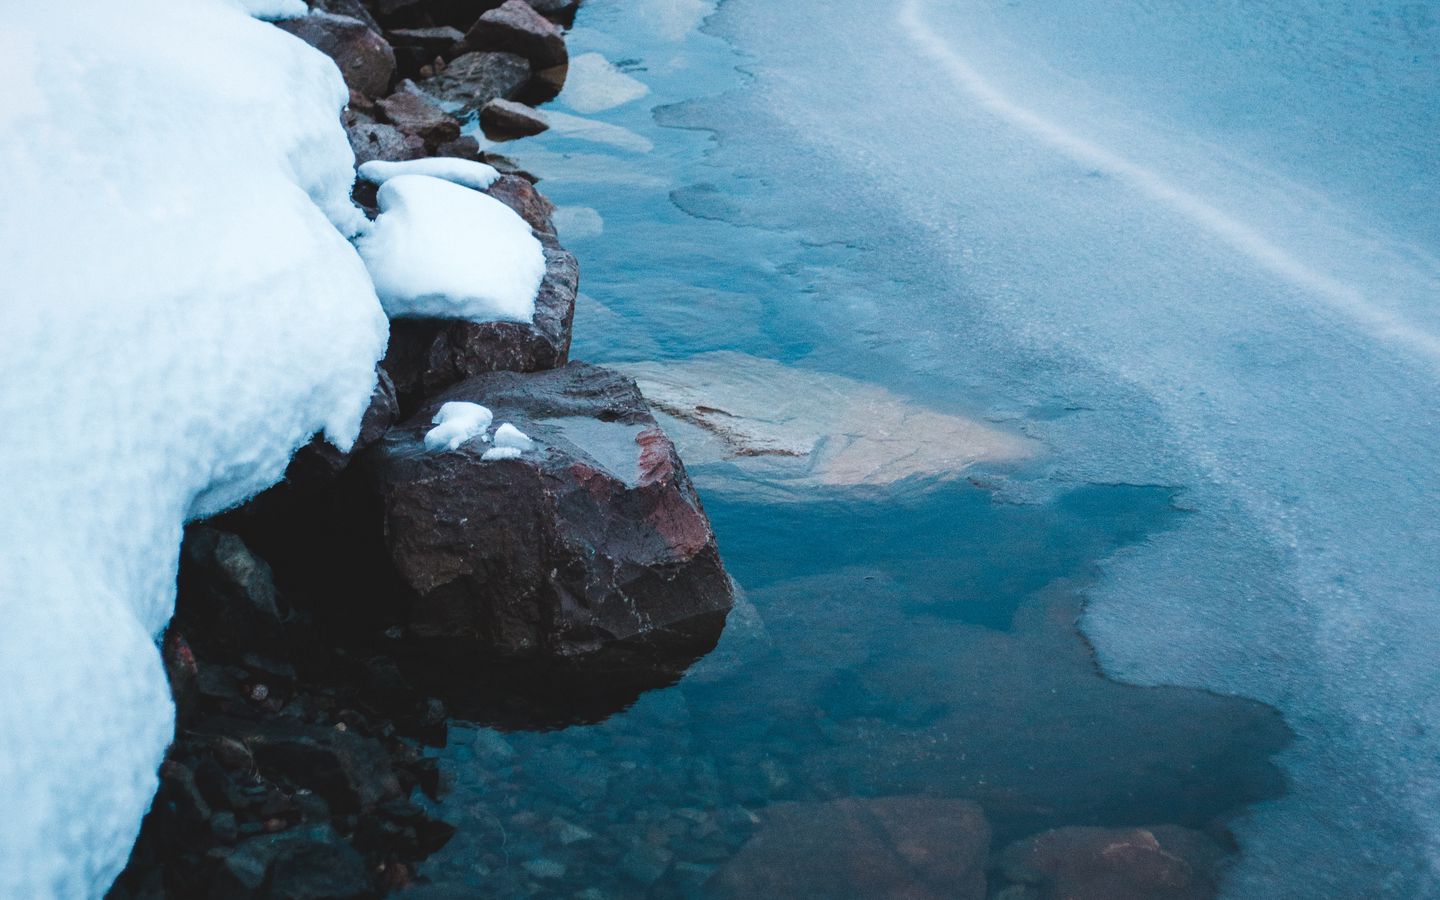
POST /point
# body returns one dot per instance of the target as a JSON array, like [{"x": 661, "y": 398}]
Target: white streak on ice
[{"x": 1337, "y": 294}]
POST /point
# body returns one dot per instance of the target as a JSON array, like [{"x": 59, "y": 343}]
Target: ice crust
[
  {"x": 439, "y": 249},
  {"x": 181, "y": 310},
  {"x": 465, "y": 172}
]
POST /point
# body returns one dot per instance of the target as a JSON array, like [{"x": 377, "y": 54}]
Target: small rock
[
  {"x": 515, "y": 27},
  {"x": 224, "y": 827},
  {"x": 646, "y": 864},
  {"x": 914, "y": 847},
  {"x": 413, "y": 113},
  {"x": 371, "y": 140},
  {"x": 233, "y": 605},
  {"x": 507, "y": 118},
  {"x": 1164, "y": 862},
  {"x": 470, "y": 81},
  {"x": 364, "y": 58},
  {"x": 544, "y": 868}
]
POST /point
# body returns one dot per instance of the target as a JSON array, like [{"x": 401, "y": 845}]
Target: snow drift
[{"x": 180, "y": 310}]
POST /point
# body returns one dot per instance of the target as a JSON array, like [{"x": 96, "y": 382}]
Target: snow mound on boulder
[
  {"x": 180, "y": 309},
  {"x": 442, "y": 250}
]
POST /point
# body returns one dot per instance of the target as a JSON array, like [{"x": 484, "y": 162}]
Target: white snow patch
[
  {"x": 593, "y": 85},
  {"x": 495, "y": 453},
  {"x": 274, "y": 10},
  {"x": 439, "y": 249},
  {"x": 465, "y": 172},
  {"x": 457, "y": 422},
  {"x": 508, "y": 435},
  {"x": 179, "y": 311}
]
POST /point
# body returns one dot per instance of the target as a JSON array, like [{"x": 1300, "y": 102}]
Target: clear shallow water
[{"x": 1192, "y": 249}]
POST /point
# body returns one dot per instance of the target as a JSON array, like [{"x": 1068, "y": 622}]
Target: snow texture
[
  {"x": 465, "y": 172},
  {"x": 445, "y": 251},
  {"x": 274, "y": 10},
  {"x": 180, "y": 309},
  {"x": 495, "y": 453},
  {"x": 457, "y": 422},
  {"x": 508, "y": 435}
]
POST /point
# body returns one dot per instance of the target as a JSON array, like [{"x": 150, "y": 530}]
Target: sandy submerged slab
[{"x": 783, "y": 429}]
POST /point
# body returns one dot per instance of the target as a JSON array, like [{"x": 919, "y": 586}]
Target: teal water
[{"x": 1190, "y": 251}]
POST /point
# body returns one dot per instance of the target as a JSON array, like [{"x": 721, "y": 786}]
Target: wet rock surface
[{"x": 592, "y": 539}]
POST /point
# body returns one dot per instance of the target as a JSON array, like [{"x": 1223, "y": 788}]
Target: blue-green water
[{"x": 1192, "y": 252}]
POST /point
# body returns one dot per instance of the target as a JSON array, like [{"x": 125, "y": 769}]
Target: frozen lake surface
[{"x": 1194, "y": 255}]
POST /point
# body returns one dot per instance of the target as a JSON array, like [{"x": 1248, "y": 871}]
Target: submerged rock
[
  {"x": 911, "y": 847},
  {"x": 364, "y": 58},
  {"x": 594, "y": 538},
  {"x": 1164, "y": 862},
  {"x": 802, "y": 429}
]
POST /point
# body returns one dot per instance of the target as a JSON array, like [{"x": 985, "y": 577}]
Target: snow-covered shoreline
[{"x": 184, "y": 309}]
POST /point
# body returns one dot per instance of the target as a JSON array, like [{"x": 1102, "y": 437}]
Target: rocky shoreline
[
  {"x": 328, "y": 632},
  {"x": 325, "y": 631}
]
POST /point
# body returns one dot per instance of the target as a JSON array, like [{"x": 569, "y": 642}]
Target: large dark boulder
[
  {"x": 917, "y": 848},
  {"x": 364, "y": 58},
  {"x": 515, "y": 27},
  {"x": 593, "y": 539},
  {"x": 428, "y": 355},
  {"x": 470, "y": 81},
  {"x": 1164, "y": 862}
]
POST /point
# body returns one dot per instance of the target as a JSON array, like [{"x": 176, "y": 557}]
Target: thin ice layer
[
  {"x": 442, "y": 250},
  {"x": 179, "y": 310}
]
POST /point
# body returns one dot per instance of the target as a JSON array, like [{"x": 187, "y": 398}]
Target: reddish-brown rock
[
  {"x": 1164, "y": 862},
  {"x": 364, "y": 58},
  {"x": 515, "y": 27},
  {"x": 507, "y": 119},
  {"x": 915, "y": 848},
  {"x": 414, "y": 113},
  {"x": 593, "y": 539}
]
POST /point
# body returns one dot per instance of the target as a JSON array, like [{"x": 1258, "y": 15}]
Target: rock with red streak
[
  {"x": 592, "y": 540},
  {"x": 507, "y": 119},
  {"x": 414, "y": 113},
  {"x": 428, "y": 355},
  {"x": 917, "y": 848},
  {"x": 364, "y": 58},
  {"x": 1163, "y": 862},
  {"x": 515, "y": 27}
]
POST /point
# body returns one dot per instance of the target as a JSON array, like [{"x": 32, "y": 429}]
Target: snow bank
[
  {"x": 465, "y": 172},
  {"x": 439, "y": 249},
  {"x": 179, "y": 310}
]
